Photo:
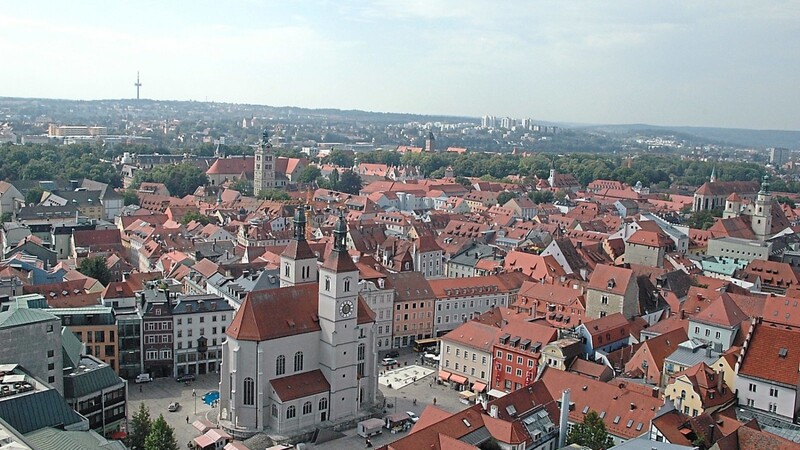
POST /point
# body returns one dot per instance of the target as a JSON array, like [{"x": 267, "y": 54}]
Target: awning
[
  {"x": 444, "y": 375},
  {"x": 496, "y": 394},
  {"x": 202, "y": 425},
  {"x": 478, "y": 387},
  {"x": 458, "y": 379},
  {"x": 203, "y": 441},
  {"x": 467, "y": 395}
]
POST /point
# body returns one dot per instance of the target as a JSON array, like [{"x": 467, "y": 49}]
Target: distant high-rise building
[
  {"x": 264, "y": 173},
  {"x": 430, "y": 143},
  {"x": 778, "y": 156},
  {"x": 507, "y": 123},
  {"x": 488, "y": 122}
]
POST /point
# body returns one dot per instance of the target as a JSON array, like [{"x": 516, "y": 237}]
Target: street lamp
[{"x": 194, "y": 394}]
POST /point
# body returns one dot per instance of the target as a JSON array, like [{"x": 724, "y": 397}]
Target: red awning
[
  {"x": 478, "y": 387},
  {"x": 458, "y": 379},
  {"x": 444, "y": 375},
  {"x": 203, "y": 441}
]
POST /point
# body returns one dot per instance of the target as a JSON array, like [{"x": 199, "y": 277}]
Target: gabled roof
[
  {"x": 611, "y": 279},
  {"x": 722, "y": 312},
  {"x": 762, "y": 357},
  {"x": 300, "y": 385}
]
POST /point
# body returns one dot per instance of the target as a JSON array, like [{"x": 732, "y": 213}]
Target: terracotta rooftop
[
  {"x": 611, "y": 279},
  {"x": 772, "y": 354},
  {"x": 723, "y": 312},
  {"x": 300, "y": 385}
]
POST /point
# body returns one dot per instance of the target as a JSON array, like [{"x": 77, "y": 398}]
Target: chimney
[
  {"x": 708, "y": 350},
  {"x": 563, "y": 419},
  {"x": 493, "y": 411},
  {"x": 719, "y": 383},
  {"x": 683, "y": 314}
]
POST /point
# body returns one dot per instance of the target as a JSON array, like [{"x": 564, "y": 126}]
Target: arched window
[
  {"x": 347, "y": 284},
  {"x": 362, "y": 351},
  {"x": 249, "y": 391},
  {"x": 298, "y": 361},
  {"x": 286, "y": 269},
  {"x": 307, "y": 408},
  {"x": 280, "y": 365},
  {"x": 323, "y": 403},
  {"x": 291, "y": 412},
  {"x": 327, "y": 283}
]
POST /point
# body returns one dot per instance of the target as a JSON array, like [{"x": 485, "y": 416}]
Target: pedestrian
[
  {"x": 187, "y": 419},
  {"x": 434, "y": 400}
]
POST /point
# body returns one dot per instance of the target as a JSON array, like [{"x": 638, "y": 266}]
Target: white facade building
[
  {"x": 199, "y": 323},
  {"x": 300, "y": 355}
]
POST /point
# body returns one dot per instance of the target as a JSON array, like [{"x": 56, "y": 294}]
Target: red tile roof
[
  {"x": 276, "y": 313},
  {"x": 609, "y": 400},
  {"x": 762, "y": 357},
  {"x": 722, "y": 312},
  {"x": 611, "y": 279},
  {"x": 300, "y": 385}
]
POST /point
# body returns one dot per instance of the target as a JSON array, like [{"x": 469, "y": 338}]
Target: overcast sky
[{"x": 709, "y": 63}]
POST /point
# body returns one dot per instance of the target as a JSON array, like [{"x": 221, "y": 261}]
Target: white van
[{"x": 143, "y": 378}]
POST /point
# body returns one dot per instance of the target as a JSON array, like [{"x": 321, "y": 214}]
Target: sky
[{"x": 732, "y": 64}]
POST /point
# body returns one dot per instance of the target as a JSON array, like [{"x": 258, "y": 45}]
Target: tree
[
  {"x": 349, "y": 182},
  {"x": 195, "y": 216},
  {"x": 34, "y": 196},
  {"x": 273, "y": 194},
  {"x": 7, "y": 216},
  {"x": 540, "y": 197},
  {"x": 333, "y": 179},
  {"x": 95, "y": 267},
  {"x": 161, "y": 436},
  {"x": 139, "y": 428},
  {"x": 130, "y": 197},
  {"x": 181, "y": 179},
  {"x": 703, "y": 219},
  {"x": 309, "y": 174},
  {"x": 464, "y": 181},
  {"x": 591, "y": 433},
  {"x": 504, "y": 197},
  {"x": 784, "y": 200},
  {"x": 243, "y": 186},
  {"x": 340, "y": 158}
]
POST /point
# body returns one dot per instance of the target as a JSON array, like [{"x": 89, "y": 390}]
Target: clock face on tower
[{"x": 346, "y": 308}]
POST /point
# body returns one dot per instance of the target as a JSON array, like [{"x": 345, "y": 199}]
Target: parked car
[
  {"x": 143, "y": 378},
  {"x": 414, "y": 418},
  {"x": 186, "y": 377},
  {"x": 174, "y": 406},
  {"x": 392, "y": 354},
  {"x": 389, "y": 361}
]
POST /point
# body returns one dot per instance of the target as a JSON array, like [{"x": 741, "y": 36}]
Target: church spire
[
  {"x": 764, "y": 185},
  {"x": 299, "y": 224},
  {"x": 340, "y": 234},
  {"x": 713, "y": 177}
]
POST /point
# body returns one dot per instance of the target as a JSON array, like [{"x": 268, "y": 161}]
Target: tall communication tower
[{"x": 137, "y": 84}]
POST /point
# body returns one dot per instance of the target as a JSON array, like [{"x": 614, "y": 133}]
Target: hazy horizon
[{"x": 709, "y": 65}]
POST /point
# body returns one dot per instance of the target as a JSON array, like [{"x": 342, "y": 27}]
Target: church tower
[
  {"x": 264, "y": 170},
  {"x": 430, "y": 143},
  {"x": 298, "y": 261},
  {"x": 338, "y": 319},
  {"x": 761, "y": 220}
]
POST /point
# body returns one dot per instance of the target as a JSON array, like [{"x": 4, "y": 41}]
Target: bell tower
[
  {"x": 338, "y": 319},
  {"x": 761, "y": 220},
  {"x": 298, "y": 261},
  {"x": 264, "y": 169}
]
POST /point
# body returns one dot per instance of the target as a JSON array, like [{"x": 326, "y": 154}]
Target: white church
[{"x": 303, "y": 354}]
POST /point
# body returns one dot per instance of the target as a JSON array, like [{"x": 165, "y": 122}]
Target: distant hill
[{"x": 736, "y": 136}]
